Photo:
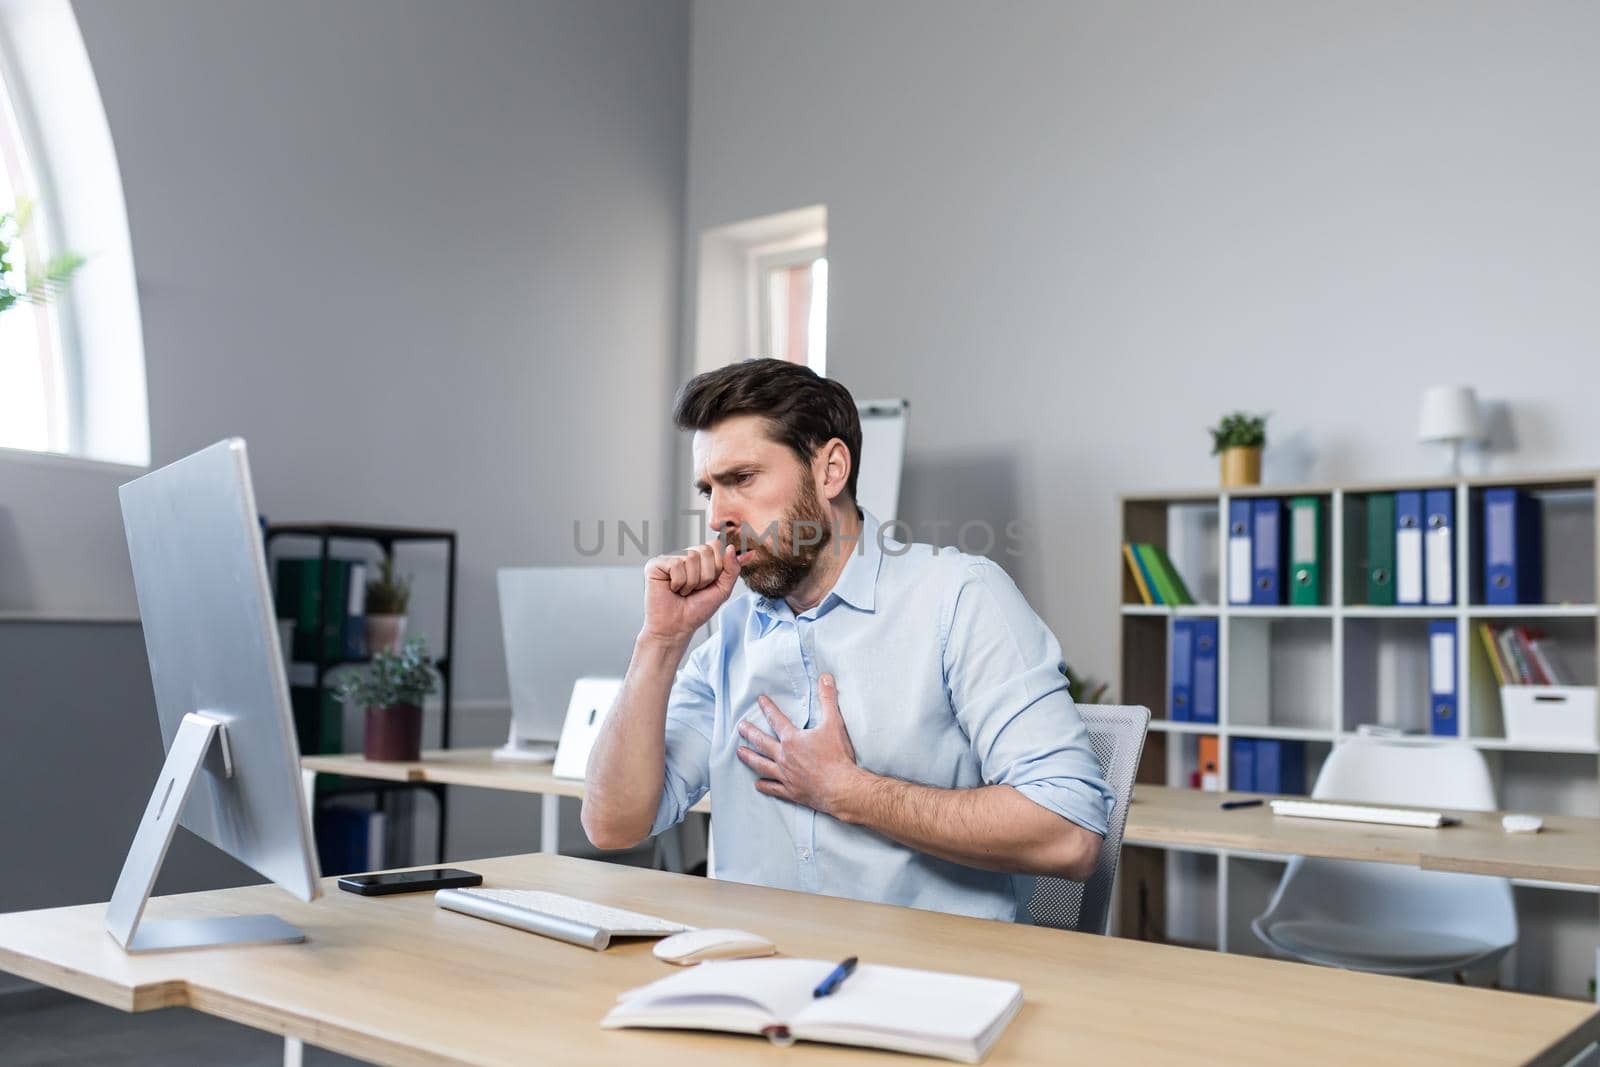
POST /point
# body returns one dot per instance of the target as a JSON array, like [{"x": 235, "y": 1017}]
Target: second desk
[{"x": 1566, "y": 850}]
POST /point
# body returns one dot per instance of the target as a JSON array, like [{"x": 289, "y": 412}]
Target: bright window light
[{"x": 32, "y": 405}]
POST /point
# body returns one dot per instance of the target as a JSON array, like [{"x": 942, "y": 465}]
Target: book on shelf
[
  {"x": 1154, "y": 575},
  {"x": 1491, "y": 648},
  {"x": 1180, "y": 672},
  {"x": 1513, "y": 550},
  {"x": 318, "y": 713},
  {"x": 1203, "y": 673},
  {"x": 1266, "y": 551},
  {"x": 299, "y": 594},
  {"x": 1239, "y": 576},
  {"x": 1170, "y": 572},
  {"x": 1267, "y": 765},
  {"x": 1547, "y": 657},
  {"x": 1442, "y": 662},
  {"x": 1380, "y": 549},
  {"x": 1242, "y": 764},
  {"x": 928, "y": 1013},
  {"x": 1520, "y": 655},
  {"x": 1141, "y": 581},
  {"x": 1164, "y": 589},
  {"x": 1209, "y": 757},
  {"x": 1280, "y": 766},
  {"x": 349, "y": 838},
  {"x": 1306, "y": 551}
]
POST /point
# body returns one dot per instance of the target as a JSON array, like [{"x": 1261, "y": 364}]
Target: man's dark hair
[{"x": 803, "y": 409}]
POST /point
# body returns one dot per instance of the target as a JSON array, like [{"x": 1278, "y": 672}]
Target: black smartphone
[{"x": 378, "y": 885}]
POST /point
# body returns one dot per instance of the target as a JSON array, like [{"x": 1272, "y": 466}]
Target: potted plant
[
  {"x": 36, "y": 286},
  {"x": 388, "y": 596},
  {"x": 1239, "y": 439},
  {"x": 391, "y": 688},
  {"x": 1079, "y": 687}
]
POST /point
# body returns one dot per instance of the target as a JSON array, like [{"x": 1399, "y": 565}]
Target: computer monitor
[
  {"x": 232, "y": 773},
  {"x": 561, "y": 624}
]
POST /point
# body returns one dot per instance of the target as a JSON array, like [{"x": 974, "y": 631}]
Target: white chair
[
  {"x": 1382, "y": 917},
  {"x": 1117, "y": 735}
]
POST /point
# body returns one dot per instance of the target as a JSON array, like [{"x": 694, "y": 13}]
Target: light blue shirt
[{"x": 946, "y": 678}]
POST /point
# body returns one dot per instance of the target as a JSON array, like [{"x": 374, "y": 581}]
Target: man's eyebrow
[{"x": 724, "y": 476}]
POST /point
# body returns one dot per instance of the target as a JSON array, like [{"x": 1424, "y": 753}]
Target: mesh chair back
[{"x": 1117, "y": 734}]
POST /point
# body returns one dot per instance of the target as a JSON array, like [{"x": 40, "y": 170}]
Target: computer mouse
[
  {"x": 1521, "y": 824},
  {"x": 693, "y": 946}
]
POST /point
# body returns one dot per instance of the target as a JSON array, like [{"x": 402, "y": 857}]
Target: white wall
[
  {"x": 1074, "y": 234},
  {"x": 407, "y": 250}
]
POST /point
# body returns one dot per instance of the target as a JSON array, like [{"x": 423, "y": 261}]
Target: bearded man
[{"x": 882, "y": 721}]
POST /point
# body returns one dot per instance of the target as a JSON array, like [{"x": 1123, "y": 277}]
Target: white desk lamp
[{"x": 1450, "y": 414}]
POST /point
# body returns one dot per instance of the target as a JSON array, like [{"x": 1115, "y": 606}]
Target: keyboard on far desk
[
  {"x": 579, "y": 922},
  {"x": 1322, "y": 809}
]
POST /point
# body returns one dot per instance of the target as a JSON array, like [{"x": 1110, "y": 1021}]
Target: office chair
[
  {"x": 1384, "y": 918},
  {"x": 1117, "y": 734}
]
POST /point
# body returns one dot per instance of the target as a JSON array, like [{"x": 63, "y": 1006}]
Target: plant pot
[
  {"x": 385, "y": 633},
  {"x": 393, "y": 733},
  {"x": 1241, "y": 466}
]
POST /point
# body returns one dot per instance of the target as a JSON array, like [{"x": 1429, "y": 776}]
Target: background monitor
[{"x": 561, "y": 624}]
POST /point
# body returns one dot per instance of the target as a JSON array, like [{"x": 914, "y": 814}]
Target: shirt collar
[{"x": 857, "y": 584}]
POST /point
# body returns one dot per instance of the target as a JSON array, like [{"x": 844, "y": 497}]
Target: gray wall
[
  {"x": 1074, "y": 234},
  {"x": 407, "y": 250}
]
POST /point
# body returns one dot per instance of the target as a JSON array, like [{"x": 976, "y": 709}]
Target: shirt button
[{"x": 805, "y": 854}]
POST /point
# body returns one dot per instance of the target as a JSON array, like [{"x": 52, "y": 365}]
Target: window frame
[
  {"x": 99, "y": 358},
  {"x": 19, "y": 155},
  {"x": 798, "y": 251}
]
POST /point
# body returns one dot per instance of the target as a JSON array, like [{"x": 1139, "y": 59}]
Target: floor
[{"x": 49, "y": 1029}]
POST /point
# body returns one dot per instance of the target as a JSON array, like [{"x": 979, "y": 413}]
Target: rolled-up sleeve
[
  {"x": 1003, "y": 670},
  {"x": 691, "y": 707}
]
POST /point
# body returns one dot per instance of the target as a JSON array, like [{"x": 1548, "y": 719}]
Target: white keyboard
[
  {"x": 1322, "y": 809},
  {"x": 580, "y": 922}
]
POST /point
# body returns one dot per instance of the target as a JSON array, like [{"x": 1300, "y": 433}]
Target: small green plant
[
  {"x": 1239, "y": 431},
  {"x": 389, "y": 593},
  {"x": 1078, "y": 688},
  {"x": 36, "y": 287},
  {"x": 403, "y": 677}
]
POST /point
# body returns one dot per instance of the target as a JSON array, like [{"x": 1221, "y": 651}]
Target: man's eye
[
  {"x": 705, "y": 493},
  {"x": 741, "y": 479}
]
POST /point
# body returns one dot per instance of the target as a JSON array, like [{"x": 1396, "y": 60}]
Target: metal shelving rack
[{"x": 385, "y": 537}]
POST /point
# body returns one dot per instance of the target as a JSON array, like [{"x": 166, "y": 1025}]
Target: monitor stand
[
  {"x": 201, "y": 746},
  {"x": 519, "y": 749}
]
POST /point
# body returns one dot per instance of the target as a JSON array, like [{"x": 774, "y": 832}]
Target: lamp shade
[{"x": 1449, "y": 413}]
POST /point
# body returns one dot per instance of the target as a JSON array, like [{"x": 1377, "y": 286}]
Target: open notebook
[{"x": 948, "y": 1015}]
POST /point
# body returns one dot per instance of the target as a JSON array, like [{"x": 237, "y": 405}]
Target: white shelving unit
[{"x": 1314, "y": 673}]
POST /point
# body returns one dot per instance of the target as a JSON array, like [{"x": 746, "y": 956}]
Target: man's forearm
[
  {"x": 622, "y": 788},
  {"x": 993, "y": 827}
]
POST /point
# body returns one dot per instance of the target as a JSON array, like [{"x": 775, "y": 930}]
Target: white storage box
[{"x": 1553, "y": 714}]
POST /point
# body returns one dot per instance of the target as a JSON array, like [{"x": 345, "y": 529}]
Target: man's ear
[{"x": 833, "y": 469}]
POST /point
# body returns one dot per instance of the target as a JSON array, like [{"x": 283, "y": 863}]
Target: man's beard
[{"x": 781, "y": 562}]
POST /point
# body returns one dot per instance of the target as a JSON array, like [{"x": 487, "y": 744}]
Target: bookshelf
[
  {"x": 392, "y": 798},
  {"x": 1317, "y": 673}
]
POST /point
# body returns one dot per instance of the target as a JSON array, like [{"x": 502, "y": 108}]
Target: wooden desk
[
  {"x": 1566, "y": 850},
  {"x": 399, "y": 981}
]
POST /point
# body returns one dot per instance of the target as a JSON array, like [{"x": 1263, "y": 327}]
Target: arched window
[
  {"x": 72, "y": 377},
  {"x": 33, "y": 409}
]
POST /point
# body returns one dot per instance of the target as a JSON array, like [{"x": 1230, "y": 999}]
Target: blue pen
[{"x": 835, "y": 979}]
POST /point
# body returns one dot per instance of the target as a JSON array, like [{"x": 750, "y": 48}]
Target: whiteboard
[{"x": 883, "y": 452}]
